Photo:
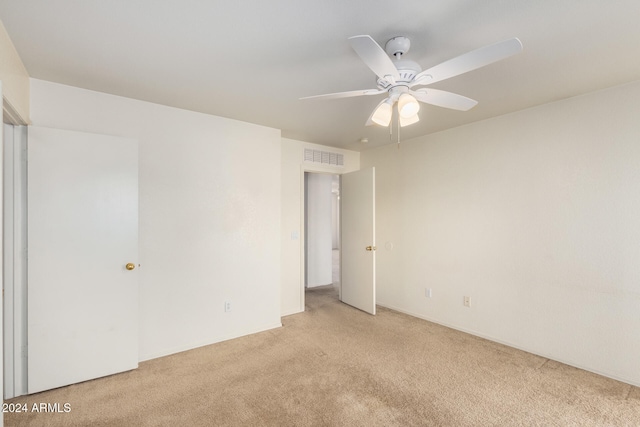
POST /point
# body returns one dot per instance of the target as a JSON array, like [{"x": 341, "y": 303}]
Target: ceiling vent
[{"x": 325, "y": 158}]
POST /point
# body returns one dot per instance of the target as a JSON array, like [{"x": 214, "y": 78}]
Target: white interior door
[
  {"x": 358, "y": 223},
  {"x": 82, "y": 232}
]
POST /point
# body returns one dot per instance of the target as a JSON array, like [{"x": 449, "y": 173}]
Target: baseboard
[
  {"x": 199, "y": 344},
  {"x": 289, "y": 313},
  {"x": 508, "y": 344}
]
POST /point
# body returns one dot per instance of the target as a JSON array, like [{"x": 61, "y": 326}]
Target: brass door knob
[
  {"x": 130, "y": 266},
  {"x": 370, "y": 248}
]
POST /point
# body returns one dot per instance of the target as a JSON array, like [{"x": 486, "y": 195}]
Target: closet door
[{"x": 82, "y": 257}]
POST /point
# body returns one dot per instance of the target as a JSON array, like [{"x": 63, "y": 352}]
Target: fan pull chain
[{"x": 398, "y": 130}]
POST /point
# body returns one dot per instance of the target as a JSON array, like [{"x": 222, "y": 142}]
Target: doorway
[{"x": 322, "y": 232}]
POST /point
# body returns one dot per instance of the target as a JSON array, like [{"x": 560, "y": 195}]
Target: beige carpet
[{"x": 336, "y": 366}]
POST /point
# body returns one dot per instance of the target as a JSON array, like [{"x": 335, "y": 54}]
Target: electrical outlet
[
  {"x": 227, "y": 306},
  {"x": 427, "y": 292},
  {"x": 467, "y": 301}
]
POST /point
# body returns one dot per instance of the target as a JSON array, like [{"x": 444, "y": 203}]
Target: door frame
[
  {"x": 303, "y": 213},
  {"x": 15, "y": 263},
  {"x": 13, "y": 259}
]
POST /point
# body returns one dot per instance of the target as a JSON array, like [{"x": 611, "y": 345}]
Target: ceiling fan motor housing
[
  {"x": 395, "y": 48},
  {"x": 407, "y": 70}
]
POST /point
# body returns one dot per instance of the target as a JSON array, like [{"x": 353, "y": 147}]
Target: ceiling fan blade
[
  {"x": 469, "y": 61},
  {"x": 375, "y": 57},
  {"x": 444, "y": 99},
  {"x": 349, "y": 94}
]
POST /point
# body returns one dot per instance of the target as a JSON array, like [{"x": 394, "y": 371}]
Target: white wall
[
  {"x": 15, "y": 80},
  {"x": 319, "y": 251},
  {"x": 293, "y": 168},
  {"x": 209, "y": 214},
  {"x": 535, "y": 216}
]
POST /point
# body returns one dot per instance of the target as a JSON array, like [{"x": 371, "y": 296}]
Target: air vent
[{"x": 323, "y": 157}]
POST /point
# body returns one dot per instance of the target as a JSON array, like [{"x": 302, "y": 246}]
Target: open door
[
  {"x": 358, "y": 247},
  {"x": 83, "y": 257}
]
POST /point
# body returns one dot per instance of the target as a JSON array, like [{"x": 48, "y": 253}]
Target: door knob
[
  {"x": 130, "y": 266},
  {"x": 370, "y": 248}
]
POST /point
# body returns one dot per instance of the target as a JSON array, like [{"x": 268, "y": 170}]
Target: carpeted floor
[{"x": 336, "y": 366}]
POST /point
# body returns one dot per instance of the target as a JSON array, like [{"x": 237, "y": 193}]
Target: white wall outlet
[
  {"x": 427, "y": 292},
  {"x": 227, "y": 306},
  {"x": 467, "y": 301}
]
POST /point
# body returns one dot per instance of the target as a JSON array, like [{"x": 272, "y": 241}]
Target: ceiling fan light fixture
[
  {"x": 382, "y": 115},
  {"x": 406, "y": 121},
  {"x": 408, "y": 106}
]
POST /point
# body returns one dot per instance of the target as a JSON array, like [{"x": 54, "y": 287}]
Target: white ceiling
[{"x": 252, "y": 60}]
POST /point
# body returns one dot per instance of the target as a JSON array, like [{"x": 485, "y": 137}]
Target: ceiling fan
[{"x": 398, "y": 76}]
